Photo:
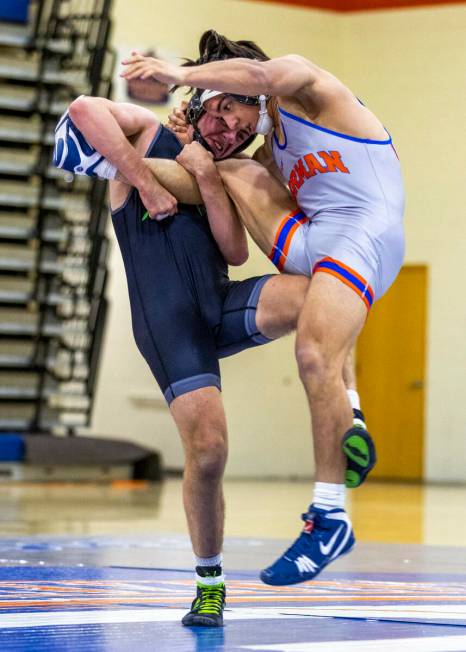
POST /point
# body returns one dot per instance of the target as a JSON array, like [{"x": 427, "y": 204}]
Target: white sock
[
  {"x": 217, "y": 560},
  {"x": 105, "y": 170},
  {"x": 209, "y": 562},
  {"x": 354, "y": 399},
  {"x": 328, "y": 495}
]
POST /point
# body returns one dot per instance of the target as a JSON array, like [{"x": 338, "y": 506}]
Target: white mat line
[
  {"x": 415, "y": 644},
  {"x": 142, "y": 615},
  {"x": 165, "y": 614}
]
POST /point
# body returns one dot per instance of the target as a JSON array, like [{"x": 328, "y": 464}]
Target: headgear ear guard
[{"x": 264, "y": 123}]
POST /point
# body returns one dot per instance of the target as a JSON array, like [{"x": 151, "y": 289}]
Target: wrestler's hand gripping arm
[{"x": 202, "y": 184}]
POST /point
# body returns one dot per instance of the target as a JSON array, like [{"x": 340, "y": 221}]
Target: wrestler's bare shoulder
[{"x": 336, "y": 109}]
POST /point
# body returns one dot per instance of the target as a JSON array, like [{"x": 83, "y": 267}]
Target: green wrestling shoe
[
  {"x": 209, "y": 603},
  {"x": 359, "y": 449}
]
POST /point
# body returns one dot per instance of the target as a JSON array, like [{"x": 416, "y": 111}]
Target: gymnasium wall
[
  {"x": 410, "y": 67},
  {"x": 406, "y": 65}
]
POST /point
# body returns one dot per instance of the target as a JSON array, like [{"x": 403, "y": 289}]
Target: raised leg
[
  {"x": 259, "y": 198},
  {"x": 280, "y": 304}
]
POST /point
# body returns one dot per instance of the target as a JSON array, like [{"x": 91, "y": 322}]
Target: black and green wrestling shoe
[
  {"x": 359, "y": 450},
  {"x": 209, "y": 603}
]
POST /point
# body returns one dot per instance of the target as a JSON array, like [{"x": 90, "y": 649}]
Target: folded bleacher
[{"x": 53, "y": 246}]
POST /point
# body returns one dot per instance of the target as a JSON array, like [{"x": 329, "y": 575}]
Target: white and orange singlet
[{"x": 351, "y": 201}]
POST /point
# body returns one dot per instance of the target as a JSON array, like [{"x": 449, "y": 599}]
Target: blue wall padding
[
  {"x": 15, "y": 10},
  {"x": 11, "y": 448}
]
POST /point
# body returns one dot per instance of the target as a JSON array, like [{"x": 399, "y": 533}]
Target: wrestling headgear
[
  {"x": 196, "y": 110},
  {"x": 264, "y": 123}
]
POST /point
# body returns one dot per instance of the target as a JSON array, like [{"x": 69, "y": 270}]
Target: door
[{"x": 390, "y": 367}]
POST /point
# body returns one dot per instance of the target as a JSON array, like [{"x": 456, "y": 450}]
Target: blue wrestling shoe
[
  {"x": 359, "y": 449},
  {"x": 74, "y": 154},
  {"x": 327, "y": 535}
]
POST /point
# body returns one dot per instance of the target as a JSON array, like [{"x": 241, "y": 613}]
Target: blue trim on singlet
[
  {"x": 367, "y": 141},
  {"x": 186, "y": 385},
  {"x": 276, "y": 256},
  {"x": 285, "y": 144},
  {"x": 251, "y": 312},
  {"x": 280, "y": 244},
  {"x": 350, "y": 277}
]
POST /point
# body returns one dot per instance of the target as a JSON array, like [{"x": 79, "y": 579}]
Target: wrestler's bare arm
[
  {"x": 296, "y": 82},
  {"x": 174, "y": 178},
  {"x": 206, "y": 188},
  {"x": 108, "y": 126},
  {"x": 237, "y": 75},
  {"x": 292, "y": 78},
  {"x": 224, "y": 222},
  {"x": 260, "y": 199}
]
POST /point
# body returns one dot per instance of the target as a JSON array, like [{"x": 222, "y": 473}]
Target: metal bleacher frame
[{"x": 53, "y": 246}]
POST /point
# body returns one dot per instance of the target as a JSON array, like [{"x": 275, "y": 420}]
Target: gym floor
[{"x": 109, "y": 567}]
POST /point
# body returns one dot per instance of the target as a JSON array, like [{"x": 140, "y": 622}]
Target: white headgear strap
[
  {"x": 208, "y": 95},
  {"x": 265, "y": 122}
]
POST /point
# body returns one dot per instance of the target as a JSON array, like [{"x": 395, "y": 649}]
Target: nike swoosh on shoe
[{"x": 326, "y": 548}]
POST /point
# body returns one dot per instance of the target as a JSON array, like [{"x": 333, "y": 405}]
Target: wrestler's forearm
[
  {"x": 224, "y": 223},
  {"x": 174, "y": 178},
  {"x": 252, "y": 77}
]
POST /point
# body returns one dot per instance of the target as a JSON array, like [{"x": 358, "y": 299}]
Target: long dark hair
[{"x": 216, "y": 47}]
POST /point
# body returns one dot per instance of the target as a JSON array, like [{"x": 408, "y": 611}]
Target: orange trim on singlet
[
  {"x": 365, "y": 292},
  {"x": 348, "y": 269},
  {"x": 289, "y": 238},
  {"x": 346, "y": 282},
  {"x": 283, "y": 250},
  {"x": 280, "y": 229}
]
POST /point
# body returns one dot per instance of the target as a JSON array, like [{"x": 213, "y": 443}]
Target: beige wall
[
  {"x": 409, "y": 66},
  {"x": 406, "y": 65}
]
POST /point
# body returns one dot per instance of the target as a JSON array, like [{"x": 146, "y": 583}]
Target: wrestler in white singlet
[{"x": 350, "y": 192}]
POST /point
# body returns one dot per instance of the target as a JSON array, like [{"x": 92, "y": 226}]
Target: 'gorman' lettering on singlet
[{"x": 309, "y": 166}]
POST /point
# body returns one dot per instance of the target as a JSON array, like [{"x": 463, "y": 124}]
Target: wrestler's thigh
[
  {"x": 260, "y": 199},
  {"x": 331, "y": 319},
  {"x": 238, "y": 329},
  {"x": 175, "y": 340},
  {"x": 200, "y": 415},
  {"x": 280, "y": 304}
]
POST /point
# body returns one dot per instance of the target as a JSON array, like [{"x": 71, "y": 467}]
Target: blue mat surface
[{"x": 61, "y": 608}]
